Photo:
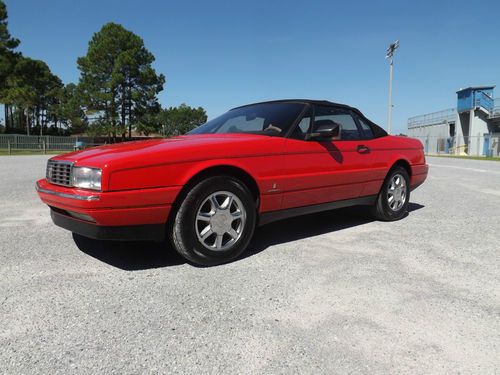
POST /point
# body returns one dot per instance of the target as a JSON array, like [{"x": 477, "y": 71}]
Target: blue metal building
[
  {"x": 471, "y": 128},
  {"x": 475, "y": 97}
]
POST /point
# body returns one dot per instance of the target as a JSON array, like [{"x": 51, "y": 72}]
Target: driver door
[{"x": 321, "y": 171}]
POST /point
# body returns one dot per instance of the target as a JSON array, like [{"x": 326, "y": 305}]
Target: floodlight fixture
[{"x": 392, "y": 48}]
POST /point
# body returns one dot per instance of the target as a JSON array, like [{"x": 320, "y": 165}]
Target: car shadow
[
  {"x": 141, "y": 255},
  {"x": 311, "y": 225},
  {"x": 130, "y": 255}
]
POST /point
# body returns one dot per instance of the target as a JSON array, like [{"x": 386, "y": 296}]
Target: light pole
[{"x": 390, "y": 55}]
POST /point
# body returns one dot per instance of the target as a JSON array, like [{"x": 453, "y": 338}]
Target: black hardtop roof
[
  {"x": 378, "y": 131},
  {"x": 306, "y": 101}
]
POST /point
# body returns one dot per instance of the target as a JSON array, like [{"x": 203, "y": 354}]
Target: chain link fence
[{"x": 487, "y": 145}]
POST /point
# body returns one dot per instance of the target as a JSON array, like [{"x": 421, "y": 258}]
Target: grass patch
[{"x": 465, "y": 157}]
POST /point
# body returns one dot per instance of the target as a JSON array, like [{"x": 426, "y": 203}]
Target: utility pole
[{"x": 390, "y": 55}]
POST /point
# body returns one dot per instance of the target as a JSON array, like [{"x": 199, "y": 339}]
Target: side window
[
  {"x": 325, "y": 115},
  {"x": 303, "y": 127},
  {"x": 304, "y": 124},
  {"x": 367, "y": 129}
]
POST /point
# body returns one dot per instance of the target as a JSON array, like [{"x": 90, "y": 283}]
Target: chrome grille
[{"x": 59, "y": 172}]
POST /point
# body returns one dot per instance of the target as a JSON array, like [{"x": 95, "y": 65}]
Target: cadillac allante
[{"x": 208, "y": 190}]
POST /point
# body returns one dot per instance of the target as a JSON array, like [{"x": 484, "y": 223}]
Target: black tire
[
  {"x": 381, "y": 210},
  {"x": 184, "y": 225}
]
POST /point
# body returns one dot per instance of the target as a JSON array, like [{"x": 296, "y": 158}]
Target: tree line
[{"x": 117, "y": 92}]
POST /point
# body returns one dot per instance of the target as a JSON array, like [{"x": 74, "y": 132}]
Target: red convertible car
[{"x": 209, "y": 189}]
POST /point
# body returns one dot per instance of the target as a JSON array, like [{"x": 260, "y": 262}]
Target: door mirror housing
[{"x": 325, "y": 130}]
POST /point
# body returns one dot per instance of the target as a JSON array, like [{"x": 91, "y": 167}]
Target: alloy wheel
[
  {"x": 396, "y": 192},
  {"x": 220, "y": 221}
]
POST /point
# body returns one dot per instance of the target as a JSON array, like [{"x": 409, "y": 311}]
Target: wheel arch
[
  {"x": 217, "y": 170},
  {"x": 402, "y": 163}
]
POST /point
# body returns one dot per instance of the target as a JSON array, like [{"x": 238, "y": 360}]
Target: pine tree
[
  {"x": 117, "y": 78},
  {"x": 8, "y": 59}
]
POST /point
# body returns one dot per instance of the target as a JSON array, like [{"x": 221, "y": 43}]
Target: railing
[
  {"x": 13, "y": 143},
  {"x": 495, "y": 112},
  {"x": 481, "y": 99},
  {"x": 439, "y": 117}
]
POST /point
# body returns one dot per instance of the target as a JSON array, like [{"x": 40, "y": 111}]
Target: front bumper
[
  {"x": 150, "y": 232},
  {"x": 109, "y": 215}
]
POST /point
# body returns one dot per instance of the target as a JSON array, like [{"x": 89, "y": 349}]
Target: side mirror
[{"x": 330, "y": 131}]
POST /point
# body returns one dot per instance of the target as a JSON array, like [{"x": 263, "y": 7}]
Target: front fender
[{"x": 178, "y": 174}]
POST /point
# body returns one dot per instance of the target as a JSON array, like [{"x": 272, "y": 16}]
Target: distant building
[{"x": 472, "y": 128}]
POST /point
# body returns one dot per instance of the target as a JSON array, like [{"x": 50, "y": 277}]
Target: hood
[{"x": 176, "y": 149}]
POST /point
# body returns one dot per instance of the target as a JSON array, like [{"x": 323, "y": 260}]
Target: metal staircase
[{"x": 495, "y": 112}]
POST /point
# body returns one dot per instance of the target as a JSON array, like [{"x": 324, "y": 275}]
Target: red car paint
[{"x": 141, "y": 180}]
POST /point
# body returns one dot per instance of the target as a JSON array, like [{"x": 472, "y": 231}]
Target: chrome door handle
[{"x": 362, "y": 149}]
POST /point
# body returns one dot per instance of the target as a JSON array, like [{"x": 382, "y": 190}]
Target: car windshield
[{"x": 273, "y": 119}]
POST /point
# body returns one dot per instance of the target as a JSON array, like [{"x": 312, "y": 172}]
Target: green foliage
[
  {"x": 7, "y": 42},
  {"x": 100, "y": 128},
  {"x": 149, "y": 123},
  {"x": 28, "y": 89},
  {"x": 171, "y": 121},
  {"x": 32, "y": 87},
  {"x": 70, "y": 109},
  {"x": 7, "y": 46},
  {"x": 7, "y": 55},
  {"x": 117, "y": 78},
  {"x": 118, "y": 88},
  {"x": 180, "y": 120}
]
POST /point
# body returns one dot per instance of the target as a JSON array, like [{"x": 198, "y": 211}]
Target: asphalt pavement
[{"x": 334, "y": 292}]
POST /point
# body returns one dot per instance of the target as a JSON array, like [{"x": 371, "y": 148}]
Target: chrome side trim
[{"x": 69, "y": 196}]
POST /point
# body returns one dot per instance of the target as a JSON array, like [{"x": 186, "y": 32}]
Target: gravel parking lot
[{"x": 328, "y": 293}]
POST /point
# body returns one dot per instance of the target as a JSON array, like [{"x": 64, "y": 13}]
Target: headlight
[{"x": 86, "y": 178}]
